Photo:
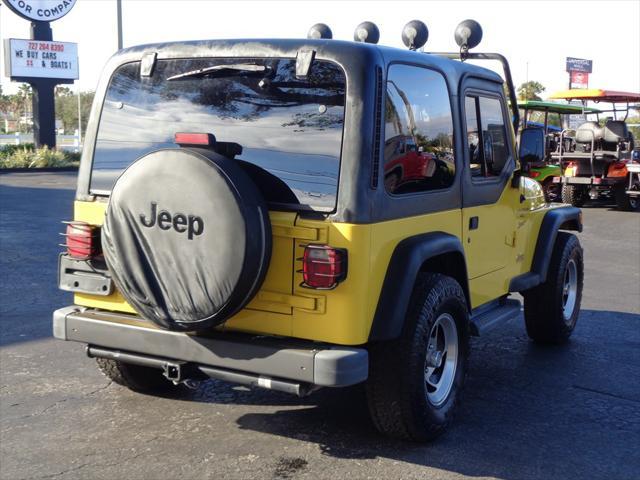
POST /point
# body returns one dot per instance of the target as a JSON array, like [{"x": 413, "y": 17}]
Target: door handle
[{"x": 473, "y": 223}]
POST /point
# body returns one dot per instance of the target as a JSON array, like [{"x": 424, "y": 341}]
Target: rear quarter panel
[{"x": 282, "y": 306}]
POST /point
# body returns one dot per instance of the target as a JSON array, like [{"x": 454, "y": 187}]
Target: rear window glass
[{"x": 290, "y": 129}]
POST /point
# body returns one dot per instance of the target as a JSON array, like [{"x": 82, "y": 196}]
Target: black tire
[
  {"x": 626, "y": 202},
  {"x": 547, "y": 315},
  {"x": 135, "y": 377},
  {"x": 551, "y": 190},
  {"x": 397, "y": 392},
  {"x": 392, "y": 181},
  {"x": 575, "y": 195},
  {"x": 186, "y": 262}
]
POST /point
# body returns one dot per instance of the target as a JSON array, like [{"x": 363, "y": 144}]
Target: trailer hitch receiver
[{"x": 174, "y": 371}]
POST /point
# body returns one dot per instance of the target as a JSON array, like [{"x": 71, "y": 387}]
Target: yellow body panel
[
  {"x": 504, "y": 244},
  {"x": 502, "y": 248}
]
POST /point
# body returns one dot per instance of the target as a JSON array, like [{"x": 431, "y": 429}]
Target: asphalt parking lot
[{"x": 528, "y": 413}]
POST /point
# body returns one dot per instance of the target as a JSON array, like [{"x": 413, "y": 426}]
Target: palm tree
[
  {"x": 530, "y": 90},
  {"x": 25, "y": 94}
]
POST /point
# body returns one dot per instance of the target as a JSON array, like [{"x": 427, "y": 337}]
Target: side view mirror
[{"x": 532, "y": 147}]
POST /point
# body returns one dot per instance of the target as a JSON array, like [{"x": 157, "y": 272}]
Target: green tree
[
  {"x": 63, "y": 91},
  {"x": 17, "y": 107},
  {"x": 530, "y": 90},
  {"x": 67, "y": 108},
  {"x": 4, "y": 101},
  {"x": 635, "y": 129},
  {"x": 24, "y": 107}
]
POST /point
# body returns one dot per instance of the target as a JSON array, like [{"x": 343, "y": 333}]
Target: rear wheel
[
  {"x": 392, "y": 181},
  {"x": 135, "y": 377},
  {"x": 627, "y": 202},
  {"x": 575, "y": 195},
  {"x": 415, "y": 382},
  {"x": 551, "y": 309}
]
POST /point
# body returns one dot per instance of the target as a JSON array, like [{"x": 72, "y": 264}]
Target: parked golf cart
[
  {"x": 603, "y": 163},
  {"x": 553, "y": 118}
]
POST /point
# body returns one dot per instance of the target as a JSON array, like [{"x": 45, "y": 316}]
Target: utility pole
[
  {"x": 79, "y": 118},
  {"x": 119, "y": 11}
]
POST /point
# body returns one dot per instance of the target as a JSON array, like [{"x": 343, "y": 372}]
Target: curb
[{"x": 34, "y": 170}]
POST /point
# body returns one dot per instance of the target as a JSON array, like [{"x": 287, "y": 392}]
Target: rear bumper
[
  {"x": 233, "y": 355},
  {"x": 595, "y": 181}
]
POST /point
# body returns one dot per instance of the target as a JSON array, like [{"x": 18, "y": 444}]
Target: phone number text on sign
[{"x": 33, "y": 58}]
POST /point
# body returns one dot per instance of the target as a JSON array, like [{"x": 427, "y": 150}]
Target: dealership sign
[
  {"x": 579, "y": 65},
  {"x": 39, "y": 59},
  {"x": 41, "y": 10},
  {"x": 579, "y": 79}
]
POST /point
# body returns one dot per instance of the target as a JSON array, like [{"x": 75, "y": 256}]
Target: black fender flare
[
  {"x": 561, "y": 218},
  {"x": 406, "y": 262}
]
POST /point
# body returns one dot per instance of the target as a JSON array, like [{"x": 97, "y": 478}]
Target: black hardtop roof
[
  {"x": 327, "y": 49},
  {"x": 360, "y": 62}
]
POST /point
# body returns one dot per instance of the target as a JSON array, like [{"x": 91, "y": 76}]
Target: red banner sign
[{"x": 579, "y": 79}]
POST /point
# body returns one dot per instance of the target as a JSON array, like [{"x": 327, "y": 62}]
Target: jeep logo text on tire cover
[{"x": 181, "y": 223}]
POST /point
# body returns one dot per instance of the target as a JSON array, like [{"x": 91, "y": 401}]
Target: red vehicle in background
[{"x": 410, "y": 167}]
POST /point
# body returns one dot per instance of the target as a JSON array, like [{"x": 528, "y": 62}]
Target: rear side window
[
  {"x": 418, "y": 148},
  {"x": 290, "y": 129},
  {"x": 486, "y": 136}
]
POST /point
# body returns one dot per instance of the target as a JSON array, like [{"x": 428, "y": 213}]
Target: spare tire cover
[{"x": 186, "y": 237}]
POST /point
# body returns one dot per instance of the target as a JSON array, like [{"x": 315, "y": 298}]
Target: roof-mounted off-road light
[
  {"x": 415, "y": 34},
  {"x": 468, "y": 35},
  {"x": 367, "y": 32},
  {"x": 320, "y": 30}
]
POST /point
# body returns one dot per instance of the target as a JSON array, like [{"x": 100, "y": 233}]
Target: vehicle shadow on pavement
[
  {"x": 603, "y": 203},
  {"x": 529, "y": 411}
]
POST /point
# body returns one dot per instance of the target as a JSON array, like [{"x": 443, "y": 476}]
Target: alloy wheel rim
[
  {"x": 441, "y": 360},
  {"x": 633, "y": 200},
  {"x": 569, "y": 290}
]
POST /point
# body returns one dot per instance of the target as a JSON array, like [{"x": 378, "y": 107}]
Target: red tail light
[
  {"x": 323, "y": 267},
  {"x": 618, "y": 169},
  {"x": 571, "y": 169},
  {"x": 186, "y": 139},
  {"x": 534, "y": 174},
  {"x": 83, "y": 240}
]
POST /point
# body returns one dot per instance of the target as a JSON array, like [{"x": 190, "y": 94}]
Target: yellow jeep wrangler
[{"x": 297, "y": 214}]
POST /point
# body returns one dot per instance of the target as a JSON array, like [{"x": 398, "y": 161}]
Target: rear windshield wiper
[{"x": 223, "y": 70}]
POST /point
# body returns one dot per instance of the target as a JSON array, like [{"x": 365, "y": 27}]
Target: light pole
[
  {"x": 119, "y": 10},
  {"x": 79, "y": 119}
]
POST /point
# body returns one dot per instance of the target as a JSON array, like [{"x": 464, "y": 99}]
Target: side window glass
[
  {"x": 486, "y": 136},
  {"x": 418, "y": 149},
  {"x": 476, "y": 154},
  {"x": 494, "y": 135}
]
